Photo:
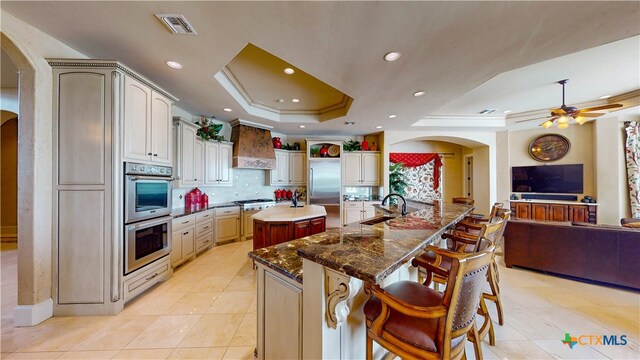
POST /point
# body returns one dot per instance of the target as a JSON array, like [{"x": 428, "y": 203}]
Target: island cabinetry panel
[
  {"x": 269, "y": 233},
  {"x": 290, "y": 168},
  {"x": 227, "y": 224},
  {"x": 286, "y": 343},
  {"x": 541, "y": 211},
  {"x": 361, "y": 168},
  {"x": 183, "y": 239},
  {"x": 147, "y": 133}
]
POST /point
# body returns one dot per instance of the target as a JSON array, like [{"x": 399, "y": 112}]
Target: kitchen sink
[{"x": 377, "y": 220}]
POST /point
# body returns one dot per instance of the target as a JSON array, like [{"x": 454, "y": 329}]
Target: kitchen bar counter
[
  {"x": 179, "y": 212},
  {"x": 367, "y": 252}
]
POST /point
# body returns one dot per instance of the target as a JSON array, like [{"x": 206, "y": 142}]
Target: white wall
[{"x": 9, "y": 99}]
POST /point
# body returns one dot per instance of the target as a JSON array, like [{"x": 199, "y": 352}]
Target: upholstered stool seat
[{"x": 415, "y": 331}]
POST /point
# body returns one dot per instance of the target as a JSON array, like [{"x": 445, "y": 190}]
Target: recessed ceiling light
[
  {"x": 392, "y": 116},
  {"x": 379, "y": 127},
  {"x": 506, "y": 111},
  {"x": 392, "y": 56},
  {"x": 604, "y": 97},
  {"x": 174, "y": 65},
  {"x": 295, "y": 100},
  {"x": 289, "y": 71},
  {"x": 418, "y": 93},
  {"x": 349, "y": 122},
  {"x": 227, "y": 109},
  {"x": 280, "y": 100},
  {"x": 302, "y": 126}
]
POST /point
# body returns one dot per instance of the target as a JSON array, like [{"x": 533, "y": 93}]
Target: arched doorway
[{"x": 34, "y": 196}]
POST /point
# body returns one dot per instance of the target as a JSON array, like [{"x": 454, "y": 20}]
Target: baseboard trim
[{"x": 30, "y": 315}]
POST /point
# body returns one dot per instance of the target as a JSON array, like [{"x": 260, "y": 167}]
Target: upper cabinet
[
  {"x": 290, "y": 168},
  {"x": 217, "y": 163},
  {"x": 199, "y": 162},
  {"x": 147, "y": 124},
  {"x": 361, "y": 168}
]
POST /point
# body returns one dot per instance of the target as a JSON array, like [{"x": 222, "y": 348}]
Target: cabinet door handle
[
  {"x": 303, "y": 226},
  {"x": 152, "y": 276},
  {"x": 150, "y": 154},
  {"x": 186, "y": 222},
  {"x": 206, "y": 227},
  {"x": 186, "y": 233},
  {"x": 195, "y": 179},
  {"x": 204, "y": 216},
  {"x": 155, "y": 154}
]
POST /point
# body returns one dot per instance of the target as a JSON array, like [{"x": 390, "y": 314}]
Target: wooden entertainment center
[{"x": 550, "y": 210}]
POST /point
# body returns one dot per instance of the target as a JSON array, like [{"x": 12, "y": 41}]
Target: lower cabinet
[
  {"x": 141, "y": 281},
  {"x": 355, "y": 211},
  {"x": 276, "y": 232},
  {"x": 183, "y": 239},
  {"x": 204, "y": 230},
  {"x": 541, "y": 211},
  {"x": 286, "y": 343},
  {"x": 227, "y": 226}
]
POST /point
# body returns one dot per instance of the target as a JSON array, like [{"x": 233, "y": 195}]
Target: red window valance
[{"x": 419, "y": 159}]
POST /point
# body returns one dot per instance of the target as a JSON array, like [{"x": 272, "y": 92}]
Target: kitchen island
[
  {"x": 280, "y": 224},
  {"x": 330, "y": 296}
]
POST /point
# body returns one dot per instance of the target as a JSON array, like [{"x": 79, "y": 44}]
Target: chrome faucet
[
  {"x": 404, "y": 202},
  {"x": 294, "y": 198}
]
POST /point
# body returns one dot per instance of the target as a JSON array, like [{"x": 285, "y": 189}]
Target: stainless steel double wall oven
[{"x": 147, "y": 214}]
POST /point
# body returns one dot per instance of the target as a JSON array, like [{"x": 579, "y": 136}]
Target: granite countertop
[
  {"x": 281, "y": 213},
  {"x": 179, "y": 212},
  {"x": 367, "y": 252}
]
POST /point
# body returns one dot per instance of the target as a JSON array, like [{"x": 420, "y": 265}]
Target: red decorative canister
[
  {"x": 278, "y": 194},
  {"x": 277, "y": 143},
  {"x": 188, "y": 201},
  {"x": 289, "y": 194},
  {"x": 204, "y": 201},
  {"x": 365, "y": 145},
  {"x": 324, "y": 152}
]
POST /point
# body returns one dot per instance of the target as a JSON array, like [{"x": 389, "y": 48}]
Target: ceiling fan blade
[
  {"x": 557, "y": 112},
  {"x": 602, "y": 107},
  {"x": 590, "y": 114}
]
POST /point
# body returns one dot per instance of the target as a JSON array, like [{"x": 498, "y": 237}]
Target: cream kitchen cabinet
[
  {"x": 183, "y": 245},
  {"x": 361, "y": 168},
  {"x": 217, "y": 163},
  {"x": 204, "y": 230},
  {"x": 147, "y": 131},
  {"x": 90, "y": 134},
  {"x": 290, "y": 168},
  {"x": 355, "y": 211},
  {"x": 227, "y": 224}
]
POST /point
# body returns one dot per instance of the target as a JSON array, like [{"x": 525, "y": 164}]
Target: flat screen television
[{"x": 550, "y": 179}]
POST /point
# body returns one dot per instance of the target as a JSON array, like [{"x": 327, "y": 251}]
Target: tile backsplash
[{"x": 247, "y": 184}]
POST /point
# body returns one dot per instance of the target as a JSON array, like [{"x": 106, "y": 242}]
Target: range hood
[{"x": 252, "y": 145}]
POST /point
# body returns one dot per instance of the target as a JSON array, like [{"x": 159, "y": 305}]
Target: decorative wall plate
[{"x": 549, "y": 147}]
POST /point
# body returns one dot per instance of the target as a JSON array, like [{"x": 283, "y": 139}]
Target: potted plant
[
  {"x": 397, "y": 182},
  {"x": 352, "y": 145},
  {"x": 314, "y": 151},
  {"x": 209, "y": 131}
]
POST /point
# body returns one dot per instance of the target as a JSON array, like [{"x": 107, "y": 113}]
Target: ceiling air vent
[
  {"x": 177, "y": 24},
  {"x": 486, "y": 111}
]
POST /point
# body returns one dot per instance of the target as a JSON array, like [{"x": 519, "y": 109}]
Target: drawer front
[
  {"x": 353, "y": 204},
  {"x": 183, "y": 222},
  {"x": 228, "y": 211},
  {"x": 204, "y": 216},
  {"x": 204, "y": 227},
  {"x": 204, "y": 242},
  {"x": 149, "y": 277}
]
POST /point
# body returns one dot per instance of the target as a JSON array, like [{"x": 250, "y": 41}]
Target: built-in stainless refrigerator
[{"x": 324, "y": 187}]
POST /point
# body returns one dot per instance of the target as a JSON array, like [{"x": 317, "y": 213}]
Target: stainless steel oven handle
[
  {"x": 159, "y": 178},
  {"x": 145, "y": 224}
]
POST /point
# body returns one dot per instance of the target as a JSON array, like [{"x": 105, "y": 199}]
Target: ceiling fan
[{"x": 564, "y": 114}]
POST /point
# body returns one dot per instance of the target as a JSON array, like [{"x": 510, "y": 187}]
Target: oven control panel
[{"x": 143, "y": 169}]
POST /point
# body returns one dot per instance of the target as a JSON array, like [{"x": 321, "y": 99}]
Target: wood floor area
[{"x": 207, "y": 311}]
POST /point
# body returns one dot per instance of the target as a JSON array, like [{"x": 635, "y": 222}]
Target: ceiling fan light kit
[{"x": 565, "y": 115}]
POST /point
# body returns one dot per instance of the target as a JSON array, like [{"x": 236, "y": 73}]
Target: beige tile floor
[{"x": 207, "y": 311}]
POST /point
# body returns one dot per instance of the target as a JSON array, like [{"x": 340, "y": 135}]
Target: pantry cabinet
[
  {"x": 290, "y": 168},
  {"x": 103, "y": 114},
  {"x": 147, "y": 135},
  {"x": 361, "y": 168}
]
